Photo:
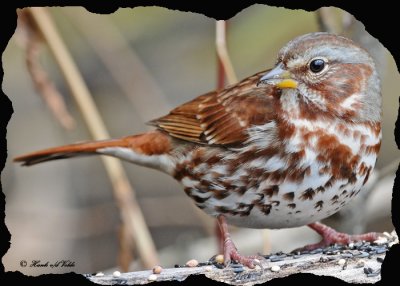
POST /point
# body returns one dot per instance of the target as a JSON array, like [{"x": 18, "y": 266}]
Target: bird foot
[
  {"x": 230, "y": 250},
  {"x": 231, "y": 254},
  {"x": 331, "y": 236}
]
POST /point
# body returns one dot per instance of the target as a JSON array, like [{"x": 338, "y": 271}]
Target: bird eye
[{"x": 317, "y": 65}]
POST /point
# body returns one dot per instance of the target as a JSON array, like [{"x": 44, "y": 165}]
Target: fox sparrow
[{"x": 285, "y": 147}]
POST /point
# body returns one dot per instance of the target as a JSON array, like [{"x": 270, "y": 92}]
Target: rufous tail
[{"x": 147, "y": 144}]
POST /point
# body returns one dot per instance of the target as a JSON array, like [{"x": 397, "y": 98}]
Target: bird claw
[
  {"x": 331, "y": 236},
  {"x": 230, "y": 250},
  {"x": 250, "y": 261}
]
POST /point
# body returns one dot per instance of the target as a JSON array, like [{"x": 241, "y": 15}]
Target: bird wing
[{"x": 222, "y": 117}]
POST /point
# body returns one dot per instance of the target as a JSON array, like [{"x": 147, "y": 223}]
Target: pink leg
[
  {"x": 331, "y": 236},
  {"x": 229, "y": 248},
  {"x": 220, "y": 239}
]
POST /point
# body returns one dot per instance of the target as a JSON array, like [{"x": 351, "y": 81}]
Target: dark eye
[{"x": 317, "y": 65}]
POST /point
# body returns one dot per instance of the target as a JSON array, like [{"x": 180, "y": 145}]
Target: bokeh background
[{"x": 138, "y": 63}]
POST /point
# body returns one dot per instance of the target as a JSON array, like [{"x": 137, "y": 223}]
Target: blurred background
[{"x": 139, "y": 63}]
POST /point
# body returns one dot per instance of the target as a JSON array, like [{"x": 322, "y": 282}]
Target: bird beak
[{"x": 278, "y": 77}]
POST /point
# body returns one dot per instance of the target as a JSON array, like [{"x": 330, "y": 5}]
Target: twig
[
  {"x": 327, "y": 20},
  {"x": 131, "y": 214},
  {"x": 125, "y": 256},
  {"x": 222, "y": 52},
  {"x": 41, "y": 81},
  {"x": 124, "y": 66}
]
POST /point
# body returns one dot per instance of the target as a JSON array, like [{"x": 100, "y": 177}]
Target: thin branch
[
  {"x": 327, "y": 20},
  {"x": 123, "y": 63},
  {"x": 131, "y": 214},
  {"x": 126, "y": 246},
  {"x": 125, "y": 67},
  {"x": 43, "y": 84},
  {"x": 222, "y": 52}
]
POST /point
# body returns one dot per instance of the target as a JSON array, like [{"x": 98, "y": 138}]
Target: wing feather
[{"x": 222, "y": 117}]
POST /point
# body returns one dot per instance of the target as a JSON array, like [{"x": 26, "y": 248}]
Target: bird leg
[
  {"x": 229, "y": 248},
  {"x": 220, "y": 239},
  {"x": 331, "y": 236}
]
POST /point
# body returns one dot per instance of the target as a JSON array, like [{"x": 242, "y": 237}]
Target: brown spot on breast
[
  {"x": 245, "y": 209},
  {"x": 205, "y": 183},
  {"x": 257, "y": 173},
  {"x": 353, "y": 178},
  {"x": 277, "y": 176},
  {"x": 258, "y": 200},
  {"x": 296, "y": 174},
  {"x": 227, "y": 184},
  {"x": 288, "y": 196},
  {"x": 272, "y": 191},
  {"x": 285, "y": 130},
  {"x": 307, "y": 194},
  {"x": 367, "y": 176},
  {"x": 219, "y": 194},
  {"x": 240, "y": 190},
  {"x": 212, "y": 160},
  {"x": 181, "y": 171},
  {"x": 318, "y": 205},
  {"x": 327, "y": 142},
  {"x": 265, "y": 209},
  {"x": 268, "y": 152},
  {"x": 292, "y": 206},
  {"x": 362, "y": 169},
  {"x": 334, "y": 199},
  {"x": 198, "y": 199},
  {"x": 296, "y": 157},
  {"x": 330, "y": 182},
  {"x": 320, "y": 189},
  {"x": 375, "y": 128},
  {"x": 324, "y": 170},
  {"x": 237, "y": 162},
  {"x": 336, "y": 155},
  {"x": 373, "y": 149}
]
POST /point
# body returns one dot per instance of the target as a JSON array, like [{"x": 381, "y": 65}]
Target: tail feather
[
  {"x": 147, "y": 144},
  {"x": 67, "y": 151}
]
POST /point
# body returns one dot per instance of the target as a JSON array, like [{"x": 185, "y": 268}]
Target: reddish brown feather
[
  {"x": 221, "y": 117},
  {"x": 151, "y": 143}
]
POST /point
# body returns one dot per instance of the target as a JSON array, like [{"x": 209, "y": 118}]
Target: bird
[{"x": 285, "y": 147}]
